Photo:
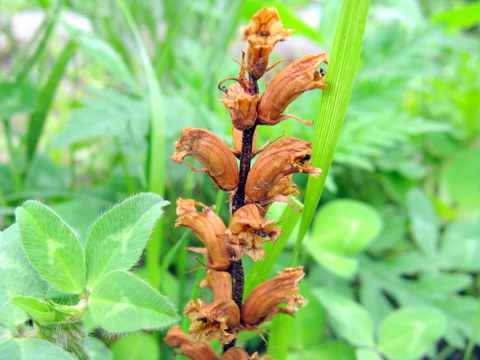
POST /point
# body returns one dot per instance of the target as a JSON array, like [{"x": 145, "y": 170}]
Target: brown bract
[
  {"x": 218, "y": 320},
  {"x": 235, "y": 353},
  {"x": 194, "y": 351},
  {"x": 290, "y": 83},
  {"x": 267, "y": 180},
  {"x": 210, "y": 151},
  {"x": 262, "y": 303},
  {"x": 208, "y": 227},
  {"x": 220, "y": 283},
  {"x": 248, "y": 230},
  {"x": 242, "y": 106},
  {"x": 263, "y": 32}
]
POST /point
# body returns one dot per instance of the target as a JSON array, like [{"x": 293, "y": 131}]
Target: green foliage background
[{"x": 392, "y": 257}]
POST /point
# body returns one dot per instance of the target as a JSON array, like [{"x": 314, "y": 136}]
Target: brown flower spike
[
  {"x": 218, "y": 320},
  {"x": 263, "y": 33},
  {"x": 208, "y": 227},
  {"x": 195, "y": 351},
  {"x": 262, "y": 303},
  {"x": 298, "y": 77},
  {"x": 211, "y": 152},
  {"x": 286, "y": 156},
  {"x": 248, "y": 230}
]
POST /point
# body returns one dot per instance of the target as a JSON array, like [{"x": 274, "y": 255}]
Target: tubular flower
[
  {"x": 263, "y": 32},
  {"x": 286, "y": 156},
  {"x": 194, "y": 351},
  {"x": 248, "y": 230},
  {"x": 220, "y": 283},
  {"x": 255, "y": 356},
  {"x": 262, "y": 303},
  {"x": 242, "y": 106},
  {"x": 208, "y": 227},
  {"x": 298, "y": 77},
  {"x": 215, "y": 321},
  {"x": 235, "y": 353},
  {"x": 211, "y": 152}
]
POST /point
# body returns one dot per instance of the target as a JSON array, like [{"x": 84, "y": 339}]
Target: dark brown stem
[{"x": 236, "y": 267}]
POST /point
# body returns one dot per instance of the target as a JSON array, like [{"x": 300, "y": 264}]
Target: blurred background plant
[{"x": 93, "y": 94}]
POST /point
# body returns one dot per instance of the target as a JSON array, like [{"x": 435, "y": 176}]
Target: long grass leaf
[
  {"x": 156, "y": 152},
  {"x": 45, "y": 98},
  {"x": 340, "y": 77}
]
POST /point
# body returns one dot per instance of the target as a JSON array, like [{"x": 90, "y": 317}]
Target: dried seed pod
[
  {"x": 248, "y": 230},
  {"x": 218, "y": 320},
  {"x": 242, "y": 106},
  {"x": 220, "y": 283},
  {"x": 263, "y": 32},
  {"x": 298, "y": 77},
  {"x": 206, "y": 147},
  {"x": 235, "y": 353},
  {"x": 286, "y": 156},
  {"x": 208, "y": 227},
  {"x": 194, "y": 351},
  {"x": 262, "y": 303}
]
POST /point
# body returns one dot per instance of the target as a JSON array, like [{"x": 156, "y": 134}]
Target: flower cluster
[{"x": 252, "y": 189}]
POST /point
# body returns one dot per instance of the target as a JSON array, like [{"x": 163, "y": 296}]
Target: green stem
[{"x": 17, "y": 180}]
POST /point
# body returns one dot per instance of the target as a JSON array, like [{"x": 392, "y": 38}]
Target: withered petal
[
  {"x": 220, "y": 283},
  {"x": 235, "y": 353},
  {"x": 298, "y": 77},
  {"x": 194, "y": 351},
  {"x": 262, "y": 303},
  {"x": 242, "y": 106},
  {"x": 210, "y": 151}
]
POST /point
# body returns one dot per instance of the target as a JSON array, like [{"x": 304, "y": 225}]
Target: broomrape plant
[{"x": 252, "y": 190}]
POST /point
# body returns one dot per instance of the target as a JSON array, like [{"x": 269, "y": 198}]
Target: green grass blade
[
  {"x": 156, "y": 152},
  {"x": 45, "y": 98},
  {"x": 344, "y": 60}
]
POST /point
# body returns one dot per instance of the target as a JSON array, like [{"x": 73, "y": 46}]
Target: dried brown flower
[
  {"x": 218, "y": 320},
  {"x": 298, "y": 77},
  {"x": 262, "y": 303},
  {"x": 194, "y": 351},
  {"x": 235, "y": 353},
  {"x": 220, "y": 283},
  {"x": 255, "y": 356},
  {"x": 263, "y": 32},
  {"x": 248, "y": 230},
  {"x": 242, "y": 106},
  {"x": 206, "y": 147},
  {"x": 286, "y": 156},
  {"x": 208, "y": 227}
]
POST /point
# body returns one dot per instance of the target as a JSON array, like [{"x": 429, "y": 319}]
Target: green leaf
[
  {"x": 17, "y": 276},
  {"x": 343, "y": 66},
  {"x": 337, "y": 264},
  {"x": 367, "y": 354},
  {"x": 39, "y": 310},
  {"x": 28, "y": 349},
  {"x": 462, "y": 17},
  {"x": 325, "y": 351},
  {"x": 121, "y": 302},
  {"x": 349, "y": 319},
  {"x": 97, "y": 350},
  {"x": 136, "y": 347},
  {"x": 460, "y": 181},
  {"x": 52, "y": 247},
  {"x": 15, "y": 98},
  {"x": 345, "y": 227},
  {"x": 425, "y": 225},
  {"x": 117, "y": 238},
  {"x": 407, "y": 333}
]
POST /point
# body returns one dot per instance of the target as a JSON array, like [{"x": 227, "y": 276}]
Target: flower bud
[
  {"x": 215, "y": 321},
  {"x": 208, "y": 227},
  {"x": 178, "y": 339},
  {"x": 235, "y": 353},
  {"x": 219, "y": 282},
  {"x": 206, "y": 147},
  {"x": 262, "y": 303},
  {"x": 263, "y": 32},
  {"x": 298, "y": 77},
  {"x": 286, "y": 156},
  {"x": 248, "y": 230}
]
